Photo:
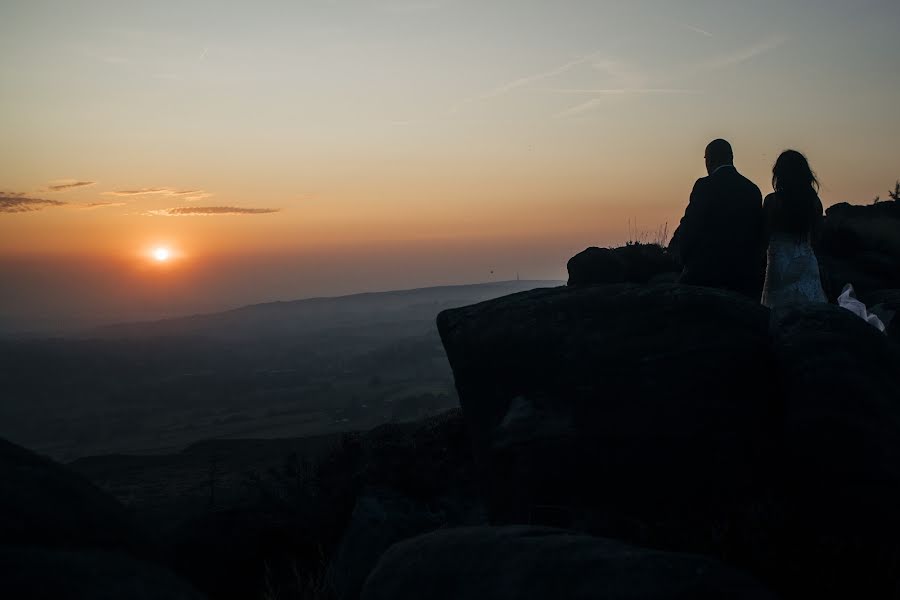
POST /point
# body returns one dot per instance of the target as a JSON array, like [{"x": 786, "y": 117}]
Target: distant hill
[
  {"x": 281, "y": 369},
  {"x": 297, "y": 317}
]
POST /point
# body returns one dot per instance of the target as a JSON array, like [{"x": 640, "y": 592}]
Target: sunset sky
[{"x": 284, "y": 149}]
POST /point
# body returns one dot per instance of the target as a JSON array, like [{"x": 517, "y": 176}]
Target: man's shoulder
[
  {"x": 701, "y": 183},
  {"x": 736, "y": 180},
  {"x": 750, "y": 186}
]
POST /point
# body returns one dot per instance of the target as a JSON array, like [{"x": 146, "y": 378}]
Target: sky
[{"x": 287, "y": 149}]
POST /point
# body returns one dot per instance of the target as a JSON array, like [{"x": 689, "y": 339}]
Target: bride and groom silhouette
[{"x": 727, "y": 229}]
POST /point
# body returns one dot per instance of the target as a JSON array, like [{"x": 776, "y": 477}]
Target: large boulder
[
  {"x": 62, "y": 537},
  {"x": 381, "y": 518},
  {"x": 45, "y": 504},
  {"x": 29, "y": 573},
  {"x": 595, "y": 401},
  {"x": 524, "y": 563},
  {"x": 690, "y": 419},
  {"x": 416, "y": 477},
  {"x": 632, "y": 263},
  {"x": 860, "y": 245},
  {"x": 839, "y": 459}
]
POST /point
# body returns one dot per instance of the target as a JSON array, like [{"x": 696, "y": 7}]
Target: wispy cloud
[
  {"x": 162, "y": 191},
  {"x": 64, "y": 185},
  {"x": 19, "y": 203},
  {"x": 665, "y": 85},
  {"x": 696, "y": 29},
  {"x": 539, "y": 76},
  {"x": 621, "y": 91},
  {"x": 526, "y": 80},
  {"x": 602, "y": 95},
  {"x": 206, "y": 211},
  {"x": 96, "y": 205},
  {"x": 740, "y": 55}
]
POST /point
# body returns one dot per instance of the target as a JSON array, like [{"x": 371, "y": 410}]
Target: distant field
[{"x": 284, "y": 369}]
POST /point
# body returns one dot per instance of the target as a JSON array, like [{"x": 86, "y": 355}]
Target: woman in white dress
[{"x": 793, "y": 214}]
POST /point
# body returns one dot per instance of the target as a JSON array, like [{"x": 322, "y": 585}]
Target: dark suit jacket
[{"x": 720, "y": 239}]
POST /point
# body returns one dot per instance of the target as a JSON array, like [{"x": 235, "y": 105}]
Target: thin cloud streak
[
  {"x": 19, "y": 203},
  {"x": 742, "y": 55},
  {"x": 207, "y": 211},
  {"x": 695, "y": 29},
  {"x": 96, "y": 205},
  {"x": 622, "y": 91},
  {"x": 65, "y": 185},
  {"x": 605, "y": 93},
  {"x": 528, "y": 79},
  {"x": 188, "y": 195}
]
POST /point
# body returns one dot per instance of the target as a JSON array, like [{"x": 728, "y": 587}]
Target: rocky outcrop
[
  {"x": 44, "y": 504},
  {"x": 693, "y": 420},
  {"x": 838, "y": 468},
  {"x": 633, "y": 263},
  {"x": 62, "y": 537},
  {"x": 525, "y": 563},
  {"x": 381, "y": 518},
  {"x": 860, "y": 245},
  {"x": 638, "y": 384},
  {"x": 28, "y": 573},
  {"x": 416, "y": 477}
]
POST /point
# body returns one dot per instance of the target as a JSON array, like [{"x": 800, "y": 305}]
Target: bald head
[{"x": 718, "y": 153}]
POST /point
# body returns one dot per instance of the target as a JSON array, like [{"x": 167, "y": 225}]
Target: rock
[
  {"x": 422, "y": 460},
  {"x": 62, "y": 537},
  {"x": 633, "y": 263},
  {"x": 839, "y": 465},
  {"x": 596, "y": 265},
  {"x": 599, "y": 400},
  {"x": 39, "y": 573},
  {"x": 45, "y": 504},
  {"x": 418, "y": 477},
  {"x": 692, "y": 420},
  {"x": 526, "y": 562},
  {"x": 860, "y": 245},
  {"x": 381, "y": 518},
  {"x": 888, "y": 209}
]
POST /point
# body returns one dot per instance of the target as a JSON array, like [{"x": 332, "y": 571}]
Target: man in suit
[{"x": 719, "y": 240}]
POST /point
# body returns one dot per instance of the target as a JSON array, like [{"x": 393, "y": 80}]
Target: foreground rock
[
  {"x": 633, "y": 263},
  {"x": 39, "y": 574},
  {"x": 62, "y": 537},
  {"x": 860, "y": 245},
  {"x": 604, "y": 400},
  {"x": 45, "y": 504},
  {"x": 838, "y": 468},
  {"x": 525, "y": 563},
  {"x": 381, "y": 518},
  {"x": 417, "y": 477},
  {"x": 670, "y": 416}
]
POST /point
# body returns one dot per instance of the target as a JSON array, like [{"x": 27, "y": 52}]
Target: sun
[{"x": 161, "y": 254}]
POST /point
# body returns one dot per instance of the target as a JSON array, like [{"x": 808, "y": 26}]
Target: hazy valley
[{"x": 283, "y": 369}]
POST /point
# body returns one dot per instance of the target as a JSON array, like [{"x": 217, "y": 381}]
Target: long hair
[{"x": 797, "y": 207}]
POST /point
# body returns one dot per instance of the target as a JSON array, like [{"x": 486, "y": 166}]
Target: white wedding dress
[{"x": 792, "y": 272}]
